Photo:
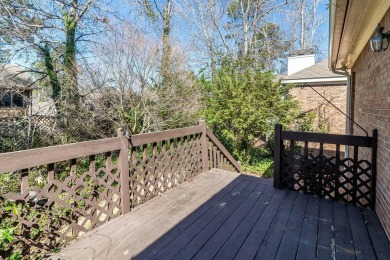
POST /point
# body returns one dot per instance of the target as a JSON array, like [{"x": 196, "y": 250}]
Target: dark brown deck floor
[{"x": 224, "y": 215}]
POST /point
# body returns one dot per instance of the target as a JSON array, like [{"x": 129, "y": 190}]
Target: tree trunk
[
  {"x": 303, "y": 31},
  {"x": 213, "y": 61},
  {"x": 245, "y": 43},
  {"x": 55, "y": 84},
  {"x": 167, "y": 48},
  {"x": 70, "y": 67}
]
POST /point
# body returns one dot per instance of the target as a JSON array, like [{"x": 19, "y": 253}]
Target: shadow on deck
[{"x": 225, "y": 215}]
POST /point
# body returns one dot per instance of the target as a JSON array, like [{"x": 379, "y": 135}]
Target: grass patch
[
  {"x": 258, "y": 161},
  {"x": 263, "y": 167}
]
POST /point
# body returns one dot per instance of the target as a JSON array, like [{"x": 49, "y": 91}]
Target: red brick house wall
[
  {"x": 310, "y": 100},
  {"x": 371, "y": 109}
]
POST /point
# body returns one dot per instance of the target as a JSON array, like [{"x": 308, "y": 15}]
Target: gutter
[{"x": 332, "y": 15}]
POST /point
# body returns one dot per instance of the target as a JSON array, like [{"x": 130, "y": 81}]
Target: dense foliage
[
  {"x": 243, "y": 105},
  {"x": 16, "y": 236}
]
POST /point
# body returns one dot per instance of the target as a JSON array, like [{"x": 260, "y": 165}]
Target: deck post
[
  {"x": 24, "y": 181},
  {"x": 277, "y": 154},
  {"x": 374, "y": 151},
  {"x": 123, "y": 166},
  {"x": 205, "y": 159}
]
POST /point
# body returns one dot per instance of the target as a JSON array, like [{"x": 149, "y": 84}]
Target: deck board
[
  {"x": 203, "y": 236},
  {"x": 325, "y": 245},
  {"x": 343, "y": 235},
  {"x": 252, "y": 243},
  {"x": 230, "y": 201},
  {"x": 309, "y": 238},
  {"x": 378, "y": 237},
  {"x": 290, "y": 241},
  {"x": 225, "y": 215},
  {"x": 237, "y": 238},
  {"x": 360, "y": 236},
  {"x": 217, "y": 240},
  {"x": 186, "y": 223},
  {"x": 270, "y": 245}
]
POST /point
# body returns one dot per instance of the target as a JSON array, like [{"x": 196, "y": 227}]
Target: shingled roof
[{"x": 13, "y": 77}]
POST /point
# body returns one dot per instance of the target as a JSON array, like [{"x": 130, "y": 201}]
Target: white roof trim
[{"x": 316, "y": 80}]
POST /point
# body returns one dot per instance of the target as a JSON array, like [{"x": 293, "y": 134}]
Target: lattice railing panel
[
  {"x": 77, "y": 197},
  {"x": 327, "y": 177},
  {"x": 329, "y": 174},
  {"x": 157, "y": 167}
]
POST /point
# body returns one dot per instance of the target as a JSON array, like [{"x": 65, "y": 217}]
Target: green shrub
[{"x": 243, "y": 104}]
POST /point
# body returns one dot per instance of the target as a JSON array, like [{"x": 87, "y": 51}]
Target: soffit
[{"x": 352, "y": 27}]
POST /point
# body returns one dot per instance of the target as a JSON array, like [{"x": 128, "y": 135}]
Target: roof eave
[{"x": 351, "y": 24}]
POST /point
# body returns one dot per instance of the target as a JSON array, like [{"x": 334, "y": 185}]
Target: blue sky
[{"x": 182, "y": 36}]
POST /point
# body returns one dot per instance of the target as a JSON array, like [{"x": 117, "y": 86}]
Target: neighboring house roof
[
  {"x": 318, "y": 73},
  {"x": 13, "y": 77},
  {"x": 351, "y": 25},
  {"x": 279, "y": 77}
]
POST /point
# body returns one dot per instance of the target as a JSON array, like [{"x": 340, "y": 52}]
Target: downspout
[
  {"x": 347, "y": 74},
  {"x": 344, "y": 71},
  {"x": 348, "y": 112}
]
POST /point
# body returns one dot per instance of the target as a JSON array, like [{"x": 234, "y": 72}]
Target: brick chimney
[{"x": 300, "y": 60}]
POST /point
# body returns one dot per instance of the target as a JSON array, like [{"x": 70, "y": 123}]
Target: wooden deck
[{"x": 225, "y": 215}]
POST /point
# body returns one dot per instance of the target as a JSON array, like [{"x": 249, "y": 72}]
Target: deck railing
[
  {"x": 76, "y": 187},
  {"x": 315, "y": 163}
]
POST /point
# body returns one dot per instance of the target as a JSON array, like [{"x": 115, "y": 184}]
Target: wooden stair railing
[
  {"x": 219, "y": 157},
  {"x": 97, "y": 181}
]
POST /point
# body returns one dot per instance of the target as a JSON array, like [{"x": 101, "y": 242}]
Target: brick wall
[
  {"x": 371, "y": 96},
  {"x": 310, "y": 100}
]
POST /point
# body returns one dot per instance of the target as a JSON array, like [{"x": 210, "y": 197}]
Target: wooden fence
[
  {"x": 303, "y": 164},
  {"x": 87, "y": 184}
]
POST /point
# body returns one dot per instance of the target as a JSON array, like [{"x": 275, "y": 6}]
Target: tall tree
[
  {"x": 206, "y": 20},
  {"x": 161, "y": 16},
  {"x": 49, "y": 33},
  {"x": 247, "y": 16},
  {"x": 304, "y": 19},
  {"x": 72, "y": 12},
  {"x": 271, "y": 47}
]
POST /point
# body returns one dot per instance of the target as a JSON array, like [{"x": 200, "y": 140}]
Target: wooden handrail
[
  {"x": 30, "y": 158},
  {"x": 141, "y": 139},
  {"x": 361, "y": 141},
  {"x": 222, "y": 148},
  {"x": 15, "y": 161}
]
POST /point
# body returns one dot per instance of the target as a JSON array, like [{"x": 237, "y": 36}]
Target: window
[
  {"x": 17, "y": 100},
  {"x": 5, "y": 100},
  {"x": 11, "y": 100}
]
